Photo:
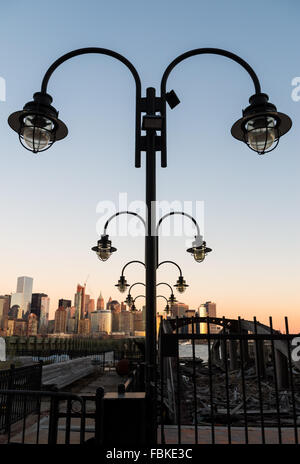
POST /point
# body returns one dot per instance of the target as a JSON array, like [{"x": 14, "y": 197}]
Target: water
[
  {"x": 56, "y": 358},
  {"x": 201, "y": 351}
]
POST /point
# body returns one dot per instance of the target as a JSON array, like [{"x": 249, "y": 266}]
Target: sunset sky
[{"x": 251, "y": 204}]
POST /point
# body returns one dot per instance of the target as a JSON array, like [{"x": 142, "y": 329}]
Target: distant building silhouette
[{"x": 60, "y": 320}]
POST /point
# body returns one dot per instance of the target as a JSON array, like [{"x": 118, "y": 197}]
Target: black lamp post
[{"x": 260, "y": 128}]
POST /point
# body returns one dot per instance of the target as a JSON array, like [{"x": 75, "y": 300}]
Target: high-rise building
[
  {"x": 24, "y": 286},
  {"x": 126, "y": 322},
  {"x": 179, "y": 309},
  {"x": 4, "y": 309},
  {"x": 10, "y": 327},
  {"x": 138, "y": 321},
  {"x": 64, "y": 303},
  {"x": 20, "y": 328},
  {"x": 36, "y": 300},
  {"x": 44, "y": 314},
  {"x": 207, "y": 309},
  {"x": 84, "y": 327},
  {"x": 71, "y": 325},
  {"x": 16, "y": 310},
  {"x": 123, "y": 306},
  {"x": 51, "y": 325},
  {"x": 89, "y": 305},
  {"x": 79, "y": 306},
  {"x": 101, "y": 321},
  {"x": 100, "y": 302},
  {"x": 60, "y": 320},
  {"x": 32, "y": 325}
]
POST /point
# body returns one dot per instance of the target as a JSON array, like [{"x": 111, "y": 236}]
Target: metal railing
[
  {"x": 244, "y": 390},
  {"x": 20, "y": 378},
  {"x": 58, "y": 418}
]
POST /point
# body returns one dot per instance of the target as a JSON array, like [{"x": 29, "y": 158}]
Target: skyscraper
[
  {"x": 24, "y": 286},
  {"x": 44, "y": 314},
  {"x": 126, "y": 323},
  {"x": 60, "y": 320},
  {"x": 207, "y": 309},
  {"x": 4, "y": 308},
  {"x": 16, "y": 310},
  {"x": 79, "y": 300},
  {"x": 65, "y": 303},
  {"x": 36, "y": 301},
  {"x": 100, "y": 302},
  {"x": 89, "y": 305},
  {"x": 179, "y": 309},
  {"x": 32, "y": 325}
]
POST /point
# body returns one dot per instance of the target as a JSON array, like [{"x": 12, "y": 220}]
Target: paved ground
[
  {"x": 221, "y": 435},
  {"x": 109, "y": 381},
  {"x": 35, "y": 425}
]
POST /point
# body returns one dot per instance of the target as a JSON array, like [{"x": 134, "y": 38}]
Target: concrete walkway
[{"x": 221, "y": 435}]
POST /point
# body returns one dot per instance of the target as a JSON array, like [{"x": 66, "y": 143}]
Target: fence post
[
  {"x": 9, "y": 398},
  {"x": 53, "y": 420},
  {"x": 99, "y": 416}
]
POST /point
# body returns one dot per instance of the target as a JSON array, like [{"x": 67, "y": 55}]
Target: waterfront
[{"x": 186, "y": 351}]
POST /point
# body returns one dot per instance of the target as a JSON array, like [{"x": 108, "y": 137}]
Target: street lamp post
[{"x": 260, "y": 128}]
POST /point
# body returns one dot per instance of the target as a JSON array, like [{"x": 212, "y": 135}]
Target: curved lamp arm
[
  {"x": 162, "y": 296},
  {"x": 105, "y": 51},
  {"x": 171, "y": 262},
  {"x": 165, "y": 283},
  {"x": 172, "y": 213},
  {"x": 130, "y": 262},
  {"x": 182, "y": 213},
  {"x": 197, "y": 51},
  {"x": 136, "y": 283},
  {"x": 118, "y": 214},
  {"x": 139, "y": 296}
]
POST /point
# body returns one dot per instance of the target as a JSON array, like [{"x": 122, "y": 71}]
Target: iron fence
[
  {"x": 58, "y": 418},
  {"x": 245, "y": 389},
  {"x": 21, "y": 378}
]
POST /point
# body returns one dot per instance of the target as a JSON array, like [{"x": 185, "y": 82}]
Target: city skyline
[
  {"x": 251, "y": 203},
  {"x": 101, "y": 303}
]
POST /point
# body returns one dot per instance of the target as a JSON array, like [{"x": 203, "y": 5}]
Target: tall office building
[
  {"x": 36, "y": 301},
  {"x": 207, "y": 309},
  {"x": 84, "y": 327},
  {"x": 44, "y": 314},
  {"x": 60, "y": 320},
  {"x": 101, "y": 321},
  {"x": 4, "y": 309},
  {"x": 179, "y": 309},
  {"x": 24, "y": 286},
  {"x": 32, "y": 325},
  {"x": 64, "y": 303},
  {"x": 138, "y": 321},
  {"x": 16, "y": 310},
  {"x": 79, "y": 300},
  {"x": 89, "y": 306},
  {"x": 100, "y": 302},
  {"x": 126, "y": 323}
]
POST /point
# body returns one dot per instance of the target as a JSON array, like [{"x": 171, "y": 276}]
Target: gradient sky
[{"x": 48, "y": 202}]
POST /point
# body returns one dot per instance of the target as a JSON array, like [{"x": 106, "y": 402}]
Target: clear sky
[{"x": 251, "y": 203}]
